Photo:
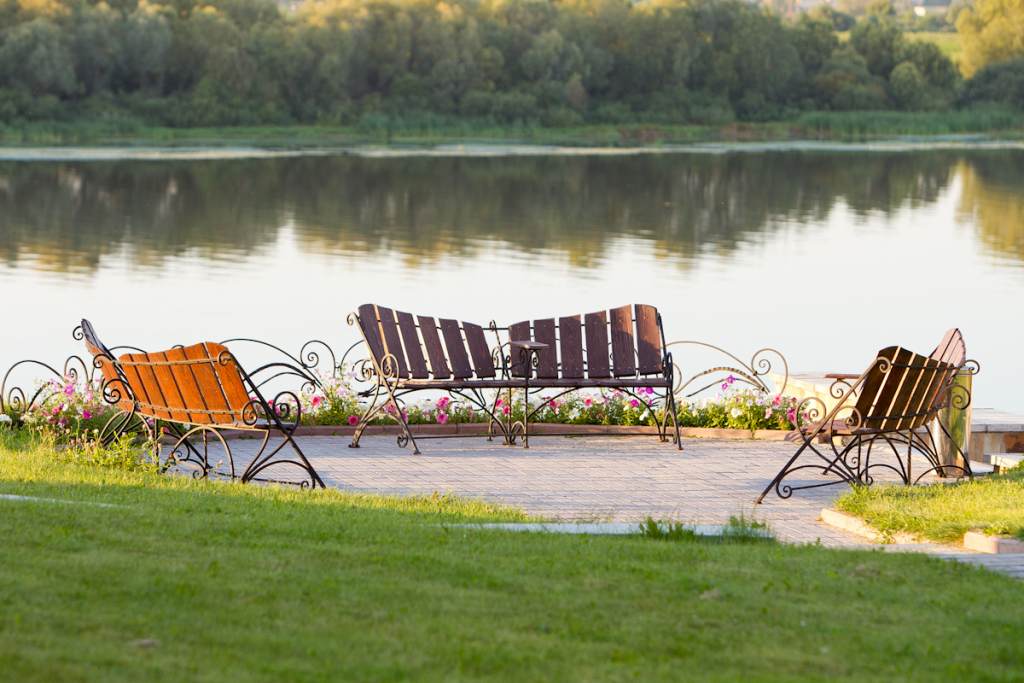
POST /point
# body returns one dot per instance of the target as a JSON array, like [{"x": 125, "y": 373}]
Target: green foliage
[
  {"x": 1002, "y": 83},
  {"x": 521, "y": 63}
]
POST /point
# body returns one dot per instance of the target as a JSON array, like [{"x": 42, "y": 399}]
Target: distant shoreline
[{"x": 487, "y": 149}]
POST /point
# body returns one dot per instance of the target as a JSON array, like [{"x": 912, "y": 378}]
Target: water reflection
[
  {"x": 992, "y": 199},
  {"x": 68, "y": 216}
]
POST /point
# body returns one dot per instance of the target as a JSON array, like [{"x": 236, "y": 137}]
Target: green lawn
[
  {"x": 994, "y": 504},
  {"x": 200, "y": 581}
]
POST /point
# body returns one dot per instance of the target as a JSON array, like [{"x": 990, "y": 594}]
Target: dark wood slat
[
  {"x": 547, "y": 359},
  {"x": 149, "y": 386},
  {"x": 206, "y": 380},
  {"x": 951, "y": 349},
  {"x": 597, "y": 345},
  {"x": 901, "y": 401},
  {"x": 648, "y": 339},
  {"x": 623, "y": 360},
  {"x": 371, "y": 331},
  {"x": 518, "y": 332},
  {"x": 230, "y": 379},
  {"x": 186, "y": 383},
  {"x": 169, "y": 387},
  {"x": 457, "y": 355},
  {"x": 435, "y": 352},
  {"x": 482, "y": 361},
  {"x": 925, "y": 392},
  {"x": 392, "y": 339},
  {"x": 413, "y": 350},
  {"x": 570, "y": 337},
  {"x": 871, "y": 386}
]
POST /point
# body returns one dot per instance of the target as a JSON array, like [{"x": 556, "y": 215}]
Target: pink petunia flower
[
  {"x": 316, "y": 401},
  {"x": 635, "y": 403},
  {"x": 588, "y": 402},
  {"x": 86, "y": 414},
  {"x": 442, "y": 418},
  {"x": 353, "y": 420}
]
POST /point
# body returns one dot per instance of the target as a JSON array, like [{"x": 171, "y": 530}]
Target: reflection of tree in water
[
  {"x": 993, "y": 200},
  {"x": 70, "y": 215}
]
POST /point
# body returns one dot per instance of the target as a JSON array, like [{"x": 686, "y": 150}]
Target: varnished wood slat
[
  {"x": 547, "y": 359},
  {"x": 371, "y": 331},
  {"x": 901, "y": 404},
  {"x": 392, "y": 339},
  {"x": 457, "y": 355},
  {"x": 230, "y": 379},
  {"x": 623, "y": 361},
  {"x": 597, "y": 345},
  {"x": 871, "y": 386},
  {"x": 187, "y": 387},
  {"x": 923, "y": 398},
  {"x": 570, "y": 337},
  {"x": 648, "y": 339},
  {"x": 482, "y": 361},
  {"x": 169, "y": 387},
  {"x": 413, "y": 350},
  {"x": 206, "y": 380},
  {"x": 518, "y": 332},
  {"x": 131, "y": 375},
  {"x": 149, "y": 386},
  {"x": 951, "y": 349},
  {"x": 435, "y": 352}
]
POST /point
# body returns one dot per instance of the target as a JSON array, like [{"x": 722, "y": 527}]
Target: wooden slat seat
[{"x": 621, "y": 348}]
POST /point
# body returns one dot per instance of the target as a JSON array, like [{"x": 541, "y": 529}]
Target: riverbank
[{"x": 820, "y": 126}]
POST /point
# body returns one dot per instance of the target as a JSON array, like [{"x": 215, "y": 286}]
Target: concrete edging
[
  {"x": 480, "y": 428},
  {"x": 993, "y": 545},
  {"x": 973, "y": 540}
]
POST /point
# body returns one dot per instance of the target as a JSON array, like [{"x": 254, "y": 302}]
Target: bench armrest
[
  {"x": 840, "y": 376},
  {"x": 530, "y": 345}
]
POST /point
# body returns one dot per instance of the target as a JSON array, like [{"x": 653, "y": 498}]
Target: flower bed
[{"x": 75, "y": 411}]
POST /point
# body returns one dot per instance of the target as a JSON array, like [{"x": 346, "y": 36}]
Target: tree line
[{"x": 509, "y": 62}]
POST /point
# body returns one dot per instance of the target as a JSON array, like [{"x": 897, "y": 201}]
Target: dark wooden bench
[
  {"x": 886, "y": 406},
  {"x": 622, "y": 349},
  {"x": 197, "y": 391}
]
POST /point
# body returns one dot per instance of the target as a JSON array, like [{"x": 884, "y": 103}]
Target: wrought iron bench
[
  {"x": 623, "y": 348},
  {"x": 887, "y": 406},
  {"x": 196, "y": 391}
]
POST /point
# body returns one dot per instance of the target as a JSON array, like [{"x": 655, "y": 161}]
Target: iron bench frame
[
  {"x": 396, "y": 365},
  {"x": 171, "y": 388},
  {"x": 889, "y": 404}
]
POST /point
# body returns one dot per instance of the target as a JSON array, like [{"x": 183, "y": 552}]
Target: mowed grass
[
  {"x": 994, "y": 504},
  {"x": 206, "y": 581}
]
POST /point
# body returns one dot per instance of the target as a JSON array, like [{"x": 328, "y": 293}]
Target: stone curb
[
  {"x": 993, "y": 545},
  {"x": 540, "y": 428},
  {"x": 855, "y": 525}
]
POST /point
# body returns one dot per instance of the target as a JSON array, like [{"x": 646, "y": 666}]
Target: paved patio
[
  {"x": 607, "y": 479},
  {"x": 613, "y": 479}
]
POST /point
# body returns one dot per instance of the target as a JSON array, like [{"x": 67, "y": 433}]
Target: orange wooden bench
[
  {"x": 623, "y": 349},
  {"x": 197, "y": 391}
]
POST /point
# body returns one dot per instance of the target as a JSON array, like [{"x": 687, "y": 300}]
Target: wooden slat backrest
[
  {"x": 173, "y": 399},
  {"x": 901, "y": 407},
  {"x": 547, "y": 359},
  {"x": 457, "y": 355},
  {"x": 570, "y": 335},
  {"x": 413, "y": 350},
  {"x": 518, "y": 332},
  {"x": 104, "y": 358},
  {"x": 483, "y": 364},
  {"x": 597, "y": 345},
  {"x": 951, "y": 349},
  {"x": 209, "y": 385},
  {"x": 371, "y": 331},
  {"x": 230, "y": 377},
  {"x": 435, "y": 352},
  {"x": 623, "y": 351},
  {"x": 648, "y": 340},
  {"x": 145, "y": 386},
  {"x": 907, "y": 395},
  {"x": 188, "y": 388},
  {"x": 923, "y": 398},
  {"x": 392, "y": 339}
]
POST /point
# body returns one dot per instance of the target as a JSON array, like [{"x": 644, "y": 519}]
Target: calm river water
[{"x": 827, "y": 256}]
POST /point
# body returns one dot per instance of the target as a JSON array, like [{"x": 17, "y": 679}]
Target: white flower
[
  {"x": 5, "y": 418},
  {"x": 736, "y": 412}
]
